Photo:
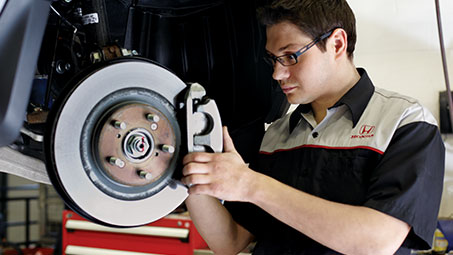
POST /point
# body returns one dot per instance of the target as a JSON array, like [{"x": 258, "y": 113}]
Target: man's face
[{"x": 306, "y": 81}]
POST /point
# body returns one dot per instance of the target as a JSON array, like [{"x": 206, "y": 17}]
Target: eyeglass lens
[{"x": 291, "y": 59}]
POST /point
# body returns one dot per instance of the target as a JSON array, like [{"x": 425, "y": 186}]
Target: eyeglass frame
[{"x": 270, "y": 59}]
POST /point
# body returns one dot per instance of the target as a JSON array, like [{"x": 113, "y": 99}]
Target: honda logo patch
[{"x": 365, "y": 131}]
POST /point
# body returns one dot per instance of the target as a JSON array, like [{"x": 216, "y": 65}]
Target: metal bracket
[
  {"x": 204, "y": 126},
  {"x": 38, "y": 138}
]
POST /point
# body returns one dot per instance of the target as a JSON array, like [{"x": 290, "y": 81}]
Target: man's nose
[{"x": 280, "y": 72}]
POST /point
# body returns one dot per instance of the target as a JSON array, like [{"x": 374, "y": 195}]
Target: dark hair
[{"x": 313, "y": 17}]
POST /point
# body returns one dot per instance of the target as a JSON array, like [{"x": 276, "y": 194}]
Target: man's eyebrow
[{"x": 282, "y": 48}]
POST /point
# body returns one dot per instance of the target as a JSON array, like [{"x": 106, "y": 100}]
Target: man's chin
[{"x": 294, "y": 100}]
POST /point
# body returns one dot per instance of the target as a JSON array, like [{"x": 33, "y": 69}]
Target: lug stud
[
  {"x": 168, "y": 148},
  {"x": 144, "y": 175},
  {"x": 152, "y": 117},
  {"x": 116, "y": 162},
  {"x": 119, "y": 124},
  {"x": 154, "y": 127}
]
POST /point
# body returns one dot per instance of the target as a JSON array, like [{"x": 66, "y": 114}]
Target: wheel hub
[
  {"x": 131, "y": 144},
  {"x": 138, "y": 145}
]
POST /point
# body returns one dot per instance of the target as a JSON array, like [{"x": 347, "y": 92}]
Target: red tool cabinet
[{"x": 173, "y": 234}]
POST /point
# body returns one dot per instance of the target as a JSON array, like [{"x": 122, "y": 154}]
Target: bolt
[
  {"x": 119, "y": 124},
  {"x": 95, "y": 57},
  {"x": 68, "y": 1},
  {"x": 78, "y": 12},
  {"x": 126, "y": 52},
  {"x": 67, "y": 67},
  {"x": 145, "y": 175},
  {"x": 154, "y": 127},
  {"x": 116, "y": 162},
  {"x": 60, "y": 67},
  {"x": 168, "y": 148},
  {"x": 152, "y": 117},
  {"x": 134, "y": 52}
]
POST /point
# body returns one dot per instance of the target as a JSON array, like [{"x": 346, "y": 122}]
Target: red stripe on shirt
[{"x": 324, "y": 147}]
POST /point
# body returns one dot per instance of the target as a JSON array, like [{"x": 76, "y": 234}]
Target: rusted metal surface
[{"x": 112, "y": 142}]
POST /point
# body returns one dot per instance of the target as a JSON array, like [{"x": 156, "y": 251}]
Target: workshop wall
[{"x": 398, "y": 44}]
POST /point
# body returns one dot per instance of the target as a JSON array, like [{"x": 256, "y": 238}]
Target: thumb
[{"x": 228, "y": 145}]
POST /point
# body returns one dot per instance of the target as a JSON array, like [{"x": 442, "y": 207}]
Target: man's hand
[{"x": 222, "y": 175}]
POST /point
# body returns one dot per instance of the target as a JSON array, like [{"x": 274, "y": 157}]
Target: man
[{"x": 354, "y": 169}]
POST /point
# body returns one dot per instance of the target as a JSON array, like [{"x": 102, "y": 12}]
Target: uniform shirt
[{"x": 374, "y": 148}]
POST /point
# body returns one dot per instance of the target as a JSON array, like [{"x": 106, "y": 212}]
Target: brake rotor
[{"x": 114, "y": 143}]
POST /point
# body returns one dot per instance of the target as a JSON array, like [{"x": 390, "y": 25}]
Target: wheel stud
[
  {"x": 116, "y": 162},
  {"x": 168, "y": 148},
  {"x": 144, "y": 175},
  {"x": 119, "y": 124},
  {"x": 152, "y": 117},
  {"x": 154, "y": 127}
]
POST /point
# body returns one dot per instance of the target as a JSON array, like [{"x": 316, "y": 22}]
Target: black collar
[{"x": 356, "y": 99}]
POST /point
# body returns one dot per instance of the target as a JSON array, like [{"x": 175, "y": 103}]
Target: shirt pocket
[{"x": 343, "y": 175}]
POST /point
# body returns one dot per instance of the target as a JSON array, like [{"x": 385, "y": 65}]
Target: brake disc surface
[{"x": 114, "y": 143}]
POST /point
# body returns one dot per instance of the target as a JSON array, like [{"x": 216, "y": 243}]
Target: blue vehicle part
[{"x": 22, "y": 25}]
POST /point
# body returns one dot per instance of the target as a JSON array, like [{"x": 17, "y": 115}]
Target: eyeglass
[{"x": 291, "y": 59}]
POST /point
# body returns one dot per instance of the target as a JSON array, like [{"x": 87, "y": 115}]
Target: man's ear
[{"x": 338, "y": 42}]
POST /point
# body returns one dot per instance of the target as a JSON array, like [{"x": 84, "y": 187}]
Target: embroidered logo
[{"x": 365, "y": 131}]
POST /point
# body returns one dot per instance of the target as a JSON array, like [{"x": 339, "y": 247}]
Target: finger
[
  {"x": 199, "y": 157},
  {"x": 195, "y": 168},
  {"x": 196, "y": 179},
  {"x": 228, "y": 145}
]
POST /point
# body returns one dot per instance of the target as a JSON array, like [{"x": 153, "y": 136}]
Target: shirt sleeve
[{"x": 407, "y": 182}]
